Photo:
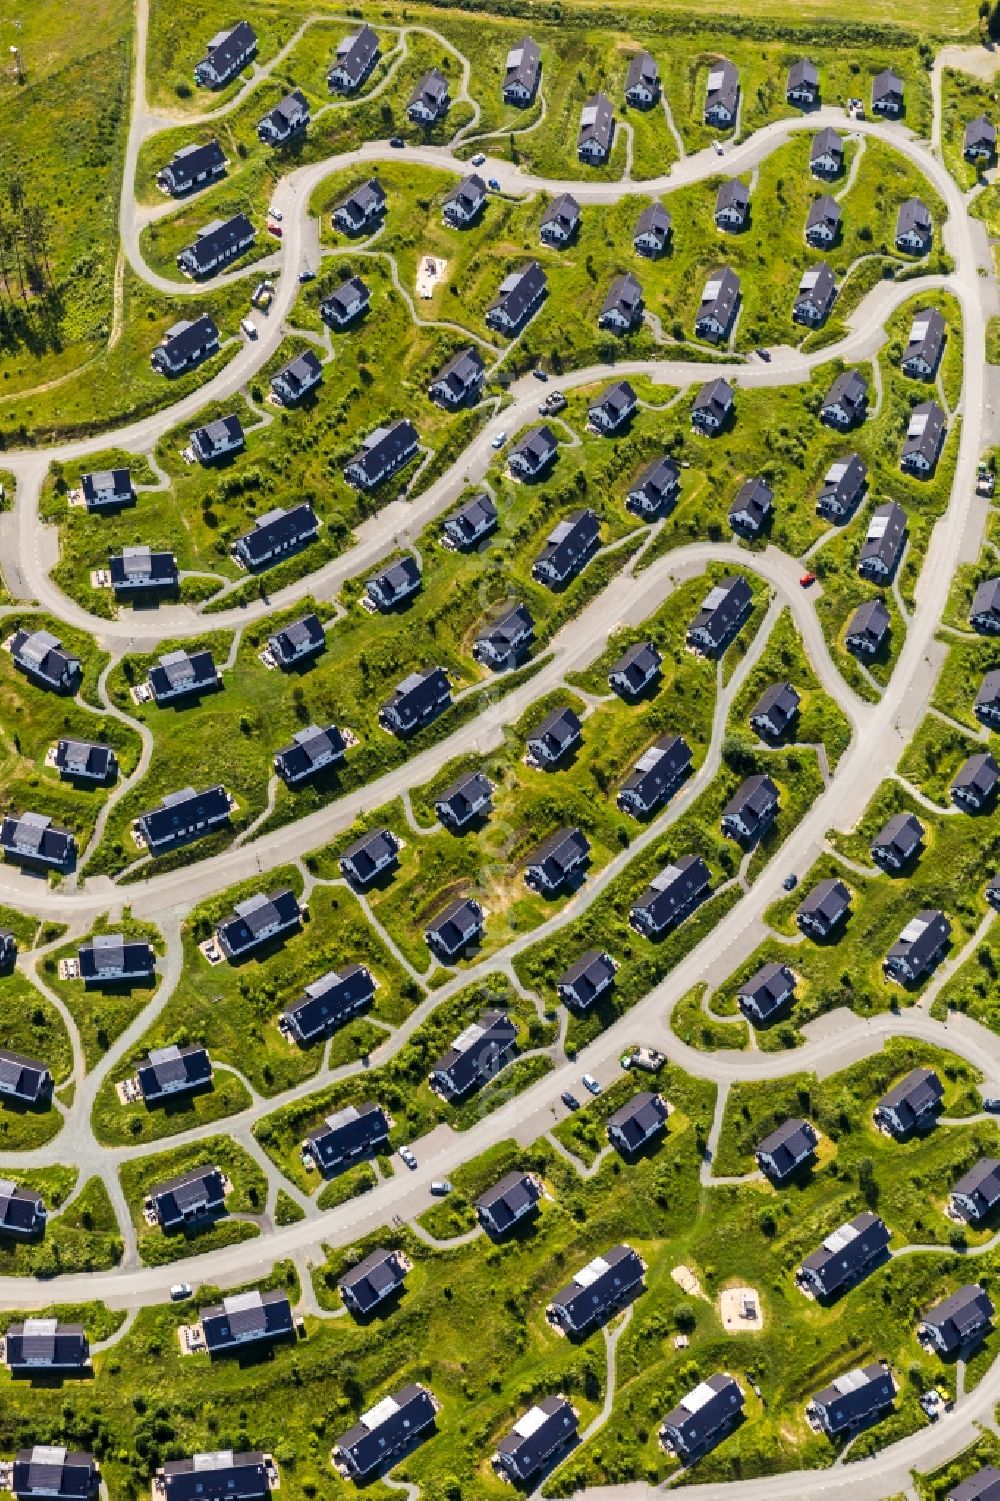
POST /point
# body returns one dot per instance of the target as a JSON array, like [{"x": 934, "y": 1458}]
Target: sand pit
[
  {"x": 740, "y": 1310},
  {"x": 686, "y": 1280},
  {"x": 430, "y": 271}
]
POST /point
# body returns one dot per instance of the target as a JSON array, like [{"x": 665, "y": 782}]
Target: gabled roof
[
  {"x": 788, "y": 1144},
  {"x": 887, "y": 85},
  {"x": 654, "y": 220},
  {"x": 902, "y": 833},
  {"x": 597, "y": 123},
  {"x": 523, "y": 65},
  {"x": 564, "y": 211},
  {"x": 519, "y": 291},
  {"x": 919, "y": 1091},
  {"x": 469, "y": 193},
  {"x": 218, "y": 1476},
  {"x": 569, "y": 544},
  {"x": 870, "y": 620},
  {"x": 588, "y": 976},
  {"x": 356, "y": 53},
  {"x": 515, "y": 1195},
  {"x": 754, "y": 797},
  {"x": 715, "y": 397},
  {"x": 642, "y": 69},
  {"x": 247, "y": 1316},
  {"x": 826, "y": 142},
  {"x": 779, "y": 702},
  {"x": 924, "y": 432},
  {"x": 960, "y": 1315},
  {"x": 828, "y": 900},
  {"x": 624, "y": 297},
  {"x": 173, "y": 1068},
  {"x": 979, "y": 775},
  {"x": 914, "y": 217},
  {"x": 802, "y": 74},
  {"x": 733, "y": 194},
  {"x": 370, "y": 1281},
  {"x": 926, "y": 339},
  {"x": 560, "y": 728},
  {"x": 849, "y": 390},
  {"x": 638, "y": 1119}
]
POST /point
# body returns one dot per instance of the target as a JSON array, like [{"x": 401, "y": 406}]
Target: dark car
[
  {"x": 790, "y": 882},
  {"x": 765, "y": 355},
  {"x": 396, "y": 141},
  {"x": 569, "y": 1100},
  {"x": 540, "y": 374}
]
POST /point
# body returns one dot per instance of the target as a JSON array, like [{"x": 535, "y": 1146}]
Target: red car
[
  {"x": 807, "y": 579},
  {"x": 276, "y": 230}
]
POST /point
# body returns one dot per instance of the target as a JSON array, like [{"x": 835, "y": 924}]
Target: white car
[
  {"x": 479, "y": 158},
  {"x": 180, "y": 1291},
  {"x": 248, "y": 327},
  {"x": 718, "y": 147},
  {"x": 408, "y": 1157},
  {"x": 499, "y": 440},
  {"x": 276, "y": 214},
  {"x": 589, "y": 1082},
  {"x": 440, "y": 1187}
]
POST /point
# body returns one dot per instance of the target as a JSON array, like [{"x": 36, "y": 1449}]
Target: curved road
[{"x": 879, "y": 734}]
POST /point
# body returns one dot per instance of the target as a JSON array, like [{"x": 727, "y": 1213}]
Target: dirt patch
[
  {"x": 430, "y": 271},
  {"x": 740, "y": 1310},
  {"x": 687, "y": 1281}
]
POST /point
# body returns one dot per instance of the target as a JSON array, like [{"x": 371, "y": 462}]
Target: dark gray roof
[
  {"x": 961, "y": 1315},
  {"x": 642, "y": 1116},
  {"x": 597, "y": 123},
  {"x": 732, "y": 194},
  {"x": 914, "y": 217},
  {"x": 826, "y": 142},
  {"x": 515, "y": 1195},
  {"x": 924, "y": 433},
  {"x": 870, "y": 620},
  {"x": 523, "y": 64},
  {"x": 926, "y": 338},
  {"x": 788, "y": 1144},
  {"x": 979, "y": 774}
]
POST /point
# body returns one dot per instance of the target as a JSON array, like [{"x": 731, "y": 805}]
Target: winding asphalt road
[{"x": 880, "y": 732}]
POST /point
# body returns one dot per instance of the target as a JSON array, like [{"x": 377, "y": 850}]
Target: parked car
[
  {"x": 540, "y": 374},
  {"x": 569, "y": 1100},
  {"x": 408, "y": 1157},
  {"x": 276, "y": 214},
  {"x": 307, "y": 274},
  {"x": 249, "y": 327},
  {"x": 790, "y": 882},
  {"x": 591, "y": 1083},
  {"x": 396, "y": 141},
  {"x": 648, "y": 1059},
  {"x": 499, "y": 440},
  {"x": 440, "y": 1187},
  {"x": 718, "y": 147},
  {"x": 807, "y": 579},
  {"x": 479, "y": 158},
  {"x": 180, "y": 1291},
  {"x": 494, "y": 185},
  {"x": 276, "y": 230},
  {"x": 765, "y": 355}
]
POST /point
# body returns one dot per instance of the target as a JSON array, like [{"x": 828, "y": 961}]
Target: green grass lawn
[
  {"x": 401, "y": 1086},
  {"x": 470, "y": 1321},
  {"x": 102, "y": 1015},
  {"x": 30, "y": 1024},
  {"x": 847, "y": 971},
  {"x": 248, "y": 1197},
  {"x": 233, "y": 1008},
  {"x": 117, "y": 384},
  {"x": 83, "y": 1238},
  {"x": 33, "y": 719},
  {"x": 63, "y": 130}
]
